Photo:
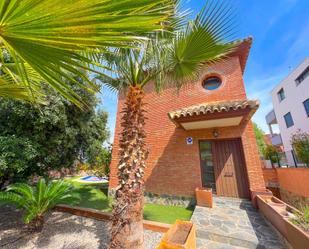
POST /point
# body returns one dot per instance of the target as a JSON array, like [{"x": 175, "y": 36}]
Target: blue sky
[{"x": 280, "y": 30}]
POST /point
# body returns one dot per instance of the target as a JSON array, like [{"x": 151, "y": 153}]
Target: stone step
[
  {"x": 232, "y": 242},
  {"x": 229, "y": 242},
  {"x": 235, "y": 225},
  {"x": 233, "y": 202},
  {"x": 210, "y": 244}
]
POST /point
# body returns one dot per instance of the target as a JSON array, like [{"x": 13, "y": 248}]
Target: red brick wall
[
  {"x": 270, "y": 175},
  {"x": 173, "y": 167}
]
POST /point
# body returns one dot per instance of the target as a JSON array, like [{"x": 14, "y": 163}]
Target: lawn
[{"x": 91, "y": 196}]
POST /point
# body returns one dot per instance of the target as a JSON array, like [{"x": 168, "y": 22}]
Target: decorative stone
[{"x": 168, "y": 200}]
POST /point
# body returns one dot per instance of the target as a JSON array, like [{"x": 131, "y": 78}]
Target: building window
[
  {"x": 212, "y": 83},
  {"x": 281, "y": 94},
  {"x": 288, "y": 120},
  {"x": 306, "y": 105},
  {"x": 302, "y": 76}
]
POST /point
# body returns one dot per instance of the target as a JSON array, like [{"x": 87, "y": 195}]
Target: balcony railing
[{"x": 271, "y": 118}]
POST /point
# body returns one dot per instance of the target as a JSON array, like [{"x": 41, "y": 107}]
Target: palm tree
[
  {"x": 44, "y": 41},
  {"x": 175, "y": 58},
  {"x": 36, "y": 201}
]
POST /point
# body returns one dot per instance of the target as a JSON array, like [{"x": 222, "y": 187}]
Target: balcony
[
  {"x": 271, "y": 118},
  {"x": 276, "y": 139}
]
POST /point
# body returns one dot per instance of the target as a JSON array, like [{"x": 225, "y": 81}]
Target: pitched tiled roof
[
  {"x": 242, "y": 49},
  {"x": 212, "y": 107}
]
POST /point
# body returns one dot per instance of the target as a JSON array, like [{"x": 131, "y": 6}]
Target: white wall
[{"x": 293, "y": 103}]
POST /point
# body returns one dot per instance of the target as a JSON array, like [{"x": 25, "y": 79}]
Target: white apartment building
[{"x": 290, "y": 100}]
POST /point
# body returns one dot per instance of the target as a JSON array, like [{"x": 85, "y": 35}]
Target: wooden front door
[{"x": 223, "y": 167}]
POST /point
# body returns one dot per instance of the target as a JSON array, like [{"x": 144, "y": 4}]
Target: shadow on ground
[{"x": 61, "y": 230}]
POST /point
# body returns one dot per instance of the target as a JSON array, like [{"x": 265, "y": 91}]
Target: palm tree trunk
[{"x": 127, "y": 221}]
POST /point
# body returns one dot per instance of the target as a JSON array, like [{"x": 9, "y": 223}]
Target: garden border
[{"x": 105, "y": 216}]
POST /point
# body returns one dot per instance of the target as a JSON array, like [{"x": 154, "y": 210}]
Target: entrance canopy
[{"x": 214, "y": 114}]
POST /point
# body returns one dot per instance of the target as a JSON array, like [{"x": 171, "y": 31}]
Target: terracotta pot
[
  {"x": 298, "y": 238},
  {"x": 182, "y": 235},
  {"x": 204, "y": 197}
]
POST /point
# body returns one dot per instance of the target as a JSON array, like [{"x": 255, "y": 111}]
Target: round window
[{"x": 212, "y": 83}]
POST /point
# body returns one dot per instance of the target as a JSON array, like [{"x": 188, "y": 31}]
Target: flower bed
[{"x": 281, "y": 215}]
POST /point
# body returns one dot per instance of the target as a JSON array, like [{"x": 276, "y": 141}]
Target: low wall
[
  {"x": 291, "y": 183},
  {"x": 295, "y": 180},
  {"x": 271, "y": 177},
  {"x": 98, "y": 215}
]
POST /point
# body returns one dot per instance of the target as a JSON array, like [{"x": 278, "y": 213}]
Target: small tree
[
  {"x": 300, "y": 143},
  {"x": 259, "y": 135},
  {"x": 271, "y": 153},
  {"x": 172, "y": 58}
]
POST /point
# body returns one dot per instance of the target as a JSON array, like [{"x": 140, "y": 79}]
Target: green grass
[
  {"x": 91, "y": 196},
  {"x": 166, "y": 214}
]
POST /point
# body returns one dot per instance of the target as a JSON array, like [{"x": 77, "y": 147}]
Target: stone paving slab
[
  {"x": 234, "y": 223},
  {"x": 210, "y": 244}
]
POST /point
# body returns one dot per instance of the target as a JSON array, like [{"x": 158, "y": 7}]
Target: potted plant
[
  {"x": 182, "y": 235},
  {"x": 298, "y": 229},
  {"x": 204, "y": 197}
]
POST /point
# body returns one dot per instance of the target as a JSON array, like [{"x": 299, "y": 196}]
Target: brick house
[{"x": 200, "y": 136}]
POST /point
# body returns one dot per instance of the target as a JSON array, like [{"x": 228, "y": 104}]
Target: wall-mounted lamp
[{"x": 215, "y": 133}]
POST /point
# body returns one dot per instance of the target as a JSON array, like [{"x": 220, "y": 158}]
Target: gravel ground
[{"x": 61, "y": 231}]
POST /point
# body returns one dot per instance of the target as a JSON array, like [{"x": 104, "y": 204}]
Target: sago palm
[
  {"x": 36, "y": 201},
  {"x": 166, "y": 58},
  {"x": 48, "y": 40}
]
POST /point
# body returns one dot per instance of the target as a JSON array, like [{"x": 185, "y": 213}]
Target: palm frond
[
  {"x": 51, "y": 37},
  {"x": 40, "y": 191},
  {"x": 175, "y": 57},
  {"x": 205, "y": 40},
  {"x": 36, "y": 200},
  {"x": 30, "y": 215},
  {"x": 10, "y": 197},
  {"x": 22, "y": 189},
  {"x": 12, "y": 85},
  {"x": 8, "y": 90},
  {"x": 127, "y": 67}
]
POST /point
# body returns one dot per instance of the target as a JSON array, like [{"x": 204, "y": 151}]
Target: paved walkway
[{"x": 233, "y": 223}]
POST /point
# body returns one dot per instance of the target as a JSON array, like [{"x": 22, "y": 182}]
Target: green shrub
[
  {"x": 271, "y": 153},
  {"x": 36, "y": 201},
  {"x": 34, "y": 141},
  {"x": 259, "y": 135},
  {"x": 302, "y": 220},
  {"x": 300, "y": 142}
]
